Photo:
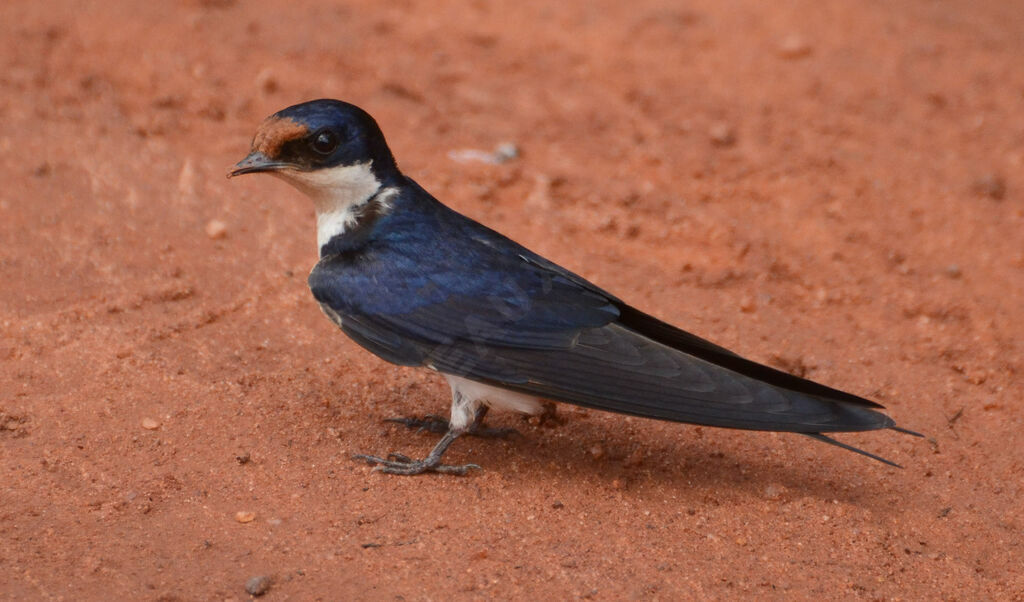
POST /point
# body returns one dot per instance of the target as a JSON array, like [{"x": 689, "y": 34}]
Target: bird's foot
[
  {"x": 404, "y": 465},
  {"x": 436, "y": 424}
]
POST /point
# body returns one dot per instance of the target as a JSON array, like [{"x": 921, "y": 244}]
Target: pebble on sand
[
  {"x": 991, "y": 185},
  {"x": 149, "y": 424},
  {"x": 794, "y": 47},
  {"x": 258, "y": 585},
  {"x": 244, "y": 516},
  {"x": 503, "y": 153},
  {"x": 722, "y": 134},
  {"x": 216, "y": 229},
  {"x": 267, "y": 81}
]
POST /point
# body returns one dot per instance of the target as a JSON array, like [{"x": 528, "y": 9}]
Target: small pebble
[
  {"x": 244, "y": 516},
  {"x": 558, "y": 505},
  {"x": 774, "y": 491},
  {"x": 187, "y": 178},
  {"x": 794, "y": 47},
  {"x": 149, "y": 424},
  {"x": 503, "y": 153},
  {"x": 596, "y": 451},
  {"x": 722, "y": 134},
  {"x": 953, "y": 271},
  {"x": 506, "y": 151},
  {"x": 216, "y": 229},
  {"x": 991, "y": 185},
  {"x": 257, "y": 586},
  {"x": 747, "y": 305},
  {"x": 266, "y": 81}
]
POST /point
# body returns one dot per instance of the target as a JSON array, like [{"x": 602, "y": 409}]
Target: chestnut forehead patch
[{"x": 274, "y": 132}]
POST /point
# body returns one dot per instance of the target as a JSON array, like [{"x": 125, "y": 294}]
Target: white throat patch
[{"x": 336, "y": 193}]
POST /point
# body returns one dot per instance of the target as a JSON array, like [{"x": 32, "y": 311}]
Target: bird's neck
[
  {"x": 347, "y": 200},
  {"x": 350, "y": 228}
]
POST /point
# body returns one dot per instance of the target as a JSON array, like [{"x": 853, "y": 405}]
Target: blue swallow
[{"x": 419, "y": 284}]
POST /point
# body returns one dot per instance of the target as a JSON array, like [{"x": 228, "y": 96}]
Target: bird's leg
[
  {"x": 403, "y": 465},
  {"x": 467, "y": 415},
  {"x": 436, "y": 424},
  {"x": 477, "y": 429}
]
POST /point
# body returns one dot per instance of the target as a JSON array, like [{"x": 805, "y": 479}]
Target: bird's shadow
[{"x": 642, "y": 454}]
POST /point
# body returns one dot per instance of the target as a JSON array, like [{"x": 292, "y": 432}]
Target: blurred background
[{"x": 833, "y": 188}]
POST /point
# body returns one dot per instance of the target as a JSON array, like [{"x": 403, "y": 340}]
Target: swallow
[{"x": 418, "y": 284}]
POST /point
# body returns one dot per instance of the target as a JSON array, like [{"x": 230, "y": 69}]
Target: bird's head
[{"x": 328, "y": 149}]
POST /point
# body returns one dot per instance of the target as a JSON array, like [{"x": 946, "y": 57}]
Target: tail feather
[
  {"x": 831, "y": 441},
  {"x": 905, "y": 431}
]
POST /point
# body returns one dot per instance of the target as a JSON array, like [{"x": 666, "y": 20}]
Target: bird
[{"x": 418, "y": 284}]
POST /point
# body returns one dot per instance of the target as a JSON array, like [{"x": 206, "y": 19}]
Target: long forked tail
[{"x": 830, "y": 441}]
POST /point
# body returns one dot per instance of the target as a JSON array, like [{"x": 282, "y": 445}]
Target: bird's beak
[{"x": 255, "y": 163}]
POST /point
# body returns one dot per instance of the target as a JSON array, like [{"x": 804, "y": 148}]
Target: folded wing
[{"x": 541, "y": 330}]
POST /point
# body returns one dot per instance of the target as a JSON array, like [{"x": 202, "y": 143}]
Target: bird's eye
[{"x": 324, "y": 142}]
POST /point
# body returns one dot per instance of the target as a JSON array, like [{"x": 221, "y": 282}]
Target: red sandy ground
[{"x": 833, "y": 188}]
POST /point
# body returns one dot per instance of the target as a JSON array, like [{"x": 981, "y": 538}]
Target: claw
[
  {"x": 460, "y": 469},
  {"x": 369, "y": 459}
]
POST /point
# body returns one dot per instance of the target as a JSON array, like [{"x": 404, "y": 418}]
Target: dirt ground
[{"x": 833, "y": 188}]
